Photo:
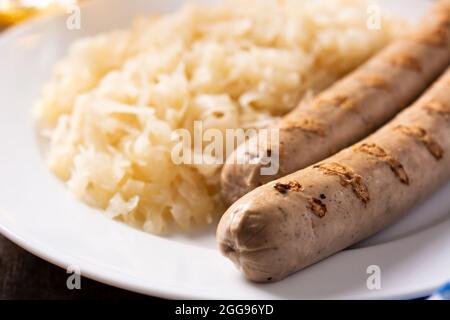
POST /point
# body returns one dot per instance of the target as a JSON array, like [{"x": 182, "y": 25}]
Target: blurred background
[{"x": 16, "y": 11}]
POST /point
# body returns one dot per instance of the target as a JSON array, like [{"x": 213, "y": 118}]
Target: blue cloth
[{"x": 443, "y": 293}]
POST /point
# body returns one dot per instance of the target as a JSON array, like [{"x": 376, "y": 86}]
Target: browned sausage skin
[
  {"x": 352, "y": 108},
  {"x": 288, "y": 224}
]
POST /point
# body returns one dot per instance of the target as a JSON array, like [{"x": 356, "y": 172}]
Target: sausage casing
[
  {"x": 293, "y": 222},
  {"x": 351, "y": 109}
]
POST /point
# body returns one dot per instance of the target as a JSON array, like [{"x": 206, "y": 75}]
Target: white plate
[{"x": 39, "y": 214}]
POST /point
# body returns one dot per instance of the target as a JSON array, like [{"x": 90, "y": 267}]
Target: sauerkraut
[{"x": 113, "y": 102}]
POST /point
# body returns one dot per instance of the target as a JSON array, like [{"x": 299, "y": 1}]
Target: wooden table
[{"x": 25, "y": 276}]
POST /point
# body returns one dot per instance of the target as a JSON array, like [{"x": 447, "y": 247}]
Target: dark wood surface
[{"x": 25, "y": 276}]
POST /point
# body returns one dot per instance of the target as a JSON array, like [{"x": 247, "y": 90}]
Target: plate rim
[{"x": 89, "y": 271}]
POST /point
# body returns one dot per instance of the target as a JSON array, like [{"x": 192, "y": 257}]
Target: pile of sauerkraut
[{"x": 112, "y": 103}]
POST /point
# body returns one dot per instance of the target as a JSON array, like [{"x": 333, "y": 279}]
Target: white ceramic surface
[{"x": 39, "y": 214}]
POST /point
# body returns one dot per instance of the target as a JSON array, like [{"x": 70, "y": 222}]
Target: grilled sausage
[
  {"x": 350, "y": 110},
  {"x": 293, "y": 222}
]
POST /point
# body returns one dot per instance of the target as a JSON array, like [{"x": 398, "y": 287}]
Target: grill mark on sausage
[
  {"x": 379, "y": 153},
  {"x": 440, "y": 108},
  {"x": 443, "y": 18},
  {"x": 374, "y": 81},
  {"x": 435, "y": 37},
  {"x": 347, "y": 178},
  {"x": 406, "y": 61},
  {"x": 438, "y": 38},
  {"x": 424, "y": 137},
  {"x": 337, "y": 101},
  {"x": 308, "y": 125},
  {"x": 317, "y": 207},
  {"x": 283, "y": 188}
]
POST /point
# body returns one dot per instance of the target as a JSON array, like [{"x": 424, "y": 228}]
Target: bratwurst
[
  {"x": 288, "y": 224},
  {"x": 350, "y": 110}
]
